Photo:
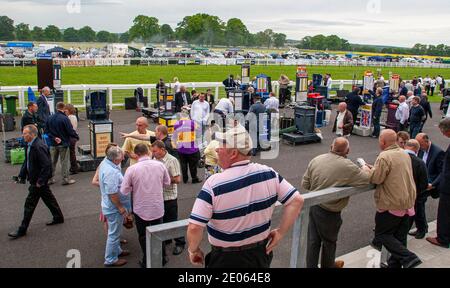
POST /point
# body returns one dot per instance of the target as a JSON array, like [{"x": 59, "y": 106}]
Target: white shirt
[
  {"x": 340, "y": 122},
  {"x": 402, "y": 113},
  {"x": 200, "y": 111},
  {"x": 433, "y": 83},
  {"x": 272, "y": 103},
  {"x": 225, "y": 106},
  {"x": 427, "y": 80},
  {"x": 329, "y": 83},
  {"x": 439, "y": 80},
  {"x": 176, "y": 87}
]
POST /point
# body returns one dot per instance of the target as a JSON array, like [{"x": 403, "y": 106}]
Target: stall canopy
[{"x": 65, "y": 53}]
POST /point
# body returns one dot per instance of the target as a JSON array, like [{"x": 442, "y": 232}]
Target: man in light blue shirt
[{"x": 115, "y": 206}]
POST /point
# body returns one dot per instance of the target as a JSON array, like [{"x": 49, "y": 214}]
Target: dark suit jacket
[
  {"x": 444, "y": 187},
  {"x": 179, "y": 101},
  {"x": 348, "y": 123},
  {"x": 420, "y": 173},
  {"x": 43, "y": 110},
  {"x": 29, "y": 119},
  {"x": 353, "y": 102},
  {"x": 434, "y": 164},
  {"x": 40, "y": 164}
]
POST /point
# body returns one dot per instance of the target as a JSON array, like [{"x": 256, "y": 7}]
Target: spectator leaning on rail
[
  {"x": 237, "y": 205},
  {"x": 412, "y": 147},
  {"x": 145, "y": 181},
  {"x": 325, "y": 171},
  {"x": 443, "y": 218},
  {"x": 115, "y": 206},
  {"x": 395, "y": 196},
  {"x": 60, "y": 131},
  {"x": 377, "y": 108}
]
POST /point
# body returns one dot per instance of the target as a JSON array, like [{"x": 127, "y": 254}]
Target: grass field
[{"x": 18, "y": 76}]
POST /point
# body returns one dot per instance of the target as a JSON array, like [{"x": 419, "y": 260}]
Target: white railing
[
  {"x": 86, "y": 62},
  {"x": 21, "y": 91}
]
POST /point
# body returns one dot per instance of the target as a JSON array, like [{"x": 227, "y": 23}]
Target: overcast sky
[{"x": 385, "y": 22}]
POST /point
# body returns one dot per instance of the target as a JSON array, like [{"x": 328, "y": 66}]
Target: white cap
[{"x": 236, "y": 138}]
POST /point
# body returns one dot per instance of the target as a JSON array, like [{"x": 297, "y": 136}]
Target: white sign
[
  {"x": 103, "y": 128},
  {"x": 109, "y": 62}
]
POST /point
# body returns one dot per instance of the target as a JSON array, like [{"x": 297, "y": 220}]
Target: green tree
[
  {"x": 37, "y": 34},
  {"x": 202, "y": 29},
  {"x": 86, "y": 34},
  {"x": 6, "y": 28},
  {"x": 23, "y": 32},
  {"x": 52, "y": 33},
  {"x": 71, "y": 35},
  {"x": 144, "y": 28},
  {"x": 318, "y": 42},
  {"x": 113, "y": 38},
  {"x": 279, "y": 39},
  {"x": 167, "y": 32},
  {"x": 333, "y": 42},
  {"x": 124, "y": 37},
  {"x": 103, "y": 36},
  {"x": 236, "y": 33}
]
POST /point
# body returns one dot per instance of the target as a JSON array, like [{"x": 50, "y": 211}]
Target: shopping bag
[{"x": 17, "y": 156}]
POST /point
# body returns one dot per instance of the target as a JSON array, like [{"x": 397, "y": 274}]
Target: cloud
[{"x": 64, "y": 3}]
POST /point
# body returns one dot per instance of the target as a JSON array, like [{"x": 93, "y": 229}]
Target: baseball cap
[{"x": 236, "y": 137}]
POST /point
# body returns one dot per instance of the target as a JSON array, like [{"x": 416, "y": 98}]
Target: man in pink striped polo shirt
[
  {"x": 145, "y": 181},
  {"x": 237, "y": 206}
]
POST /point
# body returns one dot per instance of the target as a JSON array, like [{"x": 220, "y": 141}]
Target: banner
[
  {"x": 74, "y": 62},
  {"x": 369, "y": 81},
  {"x": 366, "y": 117},
  {"x": 109, "y": 62}
]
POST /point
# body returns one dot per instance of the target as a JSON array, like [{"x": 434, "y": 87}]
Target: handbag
[
  {"x": 128, "y": 222},
  {"x": 17, "y": 156}
]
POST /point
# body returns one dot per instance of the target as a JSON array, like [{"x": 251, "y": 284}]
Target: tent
[{"x": 65, "y": 53}]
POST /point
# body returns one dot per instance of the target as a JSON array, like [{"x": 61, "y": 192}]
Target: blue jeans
[
  {"x": 414, "y": 129},
  {"x": 113, "y": 250}
]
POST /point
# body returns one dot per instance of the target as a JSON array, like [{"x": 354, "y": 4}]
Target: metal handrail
[{"x": 156, "y": 235}]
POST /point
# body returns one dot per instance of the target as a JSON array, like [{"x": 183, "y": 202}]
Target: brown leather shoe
[
  {"x": 339, "y": 264},
  {"x": 124, "y": 253},
  {"x": 118, "y": 263},
  {"x": 435, "y": 241}
]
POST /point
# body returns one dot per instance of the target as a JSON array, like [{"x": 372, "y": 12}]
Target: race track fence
[
  {"x": 156, "y": 235},
  {"x": 150, "y": 90}
]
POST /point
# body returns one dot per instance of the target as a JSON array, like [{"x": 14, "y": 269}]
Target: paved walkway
[{"x": 431, "y": 256}]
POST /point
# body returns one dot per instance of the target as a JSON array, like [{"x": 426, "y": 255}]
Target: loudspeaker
[
  {"x": 96, "y": 108},
  {"x": 59, "y": 96},
  {"x": 130, "y": 103}
]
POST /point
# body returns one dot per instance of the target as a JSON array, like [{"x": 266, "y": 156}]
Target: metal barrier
[{"x": 156, "y": 235}]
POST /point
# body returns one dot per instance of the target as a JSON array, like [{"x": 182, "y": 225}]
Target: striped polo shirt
[{"x": 237, "y": 204}]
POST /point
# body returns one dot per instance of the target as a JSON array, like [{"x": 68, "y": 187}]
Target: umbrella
[{"x": 31, "y": 96}]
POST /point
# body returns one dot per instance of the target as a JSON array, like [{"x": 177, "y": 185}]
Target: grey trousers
[
  {"x": 323, "y": 233},
  {"x": 63, "y": 154}
]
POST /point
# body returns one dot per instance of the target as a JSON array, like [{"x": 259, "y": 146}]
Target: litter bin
[{"x": 11, "y": 104}]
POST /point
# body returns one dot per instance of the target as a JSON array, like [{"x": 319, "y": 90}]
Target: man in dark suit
[
  {"x": 37, "y": 168},
  {"x": 354, "y": 101},
  {"x": 420, "y": 174},
  {"x": 443, "y": 218},
  {"x": 182, "y": 98},
  {"x": 43, "y": 107},
  {"x": 433, "y": 156}
]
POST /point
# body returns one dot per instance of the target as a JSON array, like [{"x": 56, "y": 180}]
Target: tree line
[
  {"x": 334, "y": 43},
  {"x": 200, "y": 29}
]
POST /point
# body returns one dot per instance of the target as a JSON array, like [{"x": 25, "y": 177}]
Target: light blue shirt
[{"x": 110, "y": 179}]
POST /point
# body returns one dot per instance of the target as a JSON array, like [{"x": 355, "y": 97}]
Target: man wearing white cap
[{"x": 237, "y": 206}]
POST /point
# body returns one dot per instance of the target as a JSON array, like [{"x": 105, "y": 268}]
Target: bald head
[
  {"x": 401, "y": 99},
  {"x": 409, "y": 94},
  {"x": 412, "y": 145},
  {"x": 388, "y": 138},
  {"x": 340, "y": 146},
  {"x": 342, "y": 106},
  {"x": 142, "y": 125}
]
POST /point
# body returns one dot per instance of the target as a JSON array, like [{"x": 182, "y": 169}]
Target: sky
[{"x": 379, "y": 22}]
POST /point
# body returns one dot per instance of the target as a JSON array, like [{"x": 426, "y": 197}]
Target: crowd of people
[{"x": 238, "y": 197}]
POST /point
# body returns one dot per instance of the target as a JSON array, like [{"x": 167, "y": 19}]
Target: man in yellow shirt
[{"x": 130, "y": 143}]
